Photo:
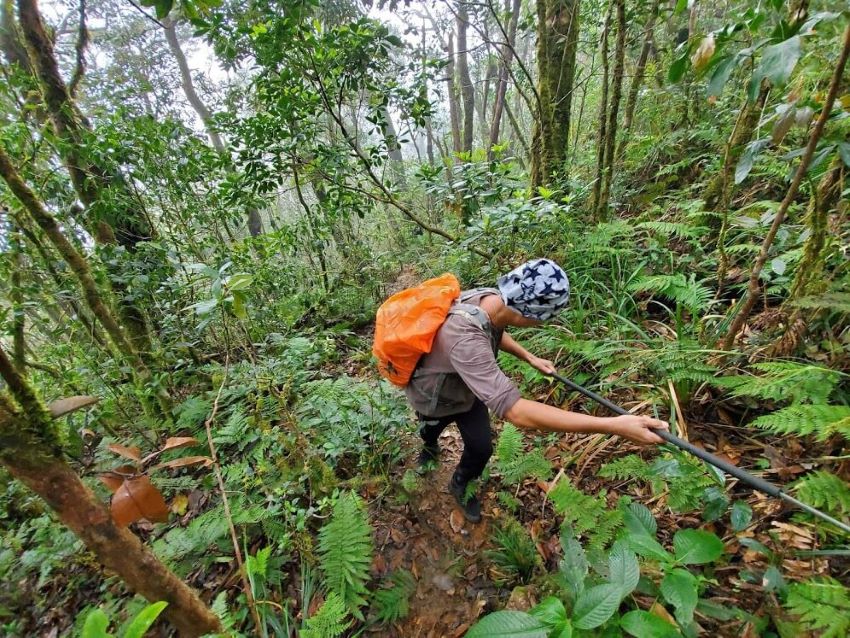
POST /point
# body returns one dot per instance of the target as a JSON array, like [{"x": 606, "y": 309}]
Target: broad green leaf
[
  {"x": 716, "y": 503},
  {"x": 679, "y": 588},
  {"x": 551, "y": 612},
  {"x": 844, "y": 152},
  {"x": 642, "y": 624},
  {"x": 95, "y": 625},
  {"x": 696, "y": 546},
  {"x": 677, "y": 69},
  {"x": 595, "y": 606},
  {"x": 240, "y": 281},
  {"x": 648, "y": 547},
  {"x": 772, "y": 579},
  {"x": 720, "y": 75},
  {"x": 204, "y": 307},
  {"x": 778, "y": 60},
  {"x": 574, "y": 564},
  {"x": 741, "y": 515},
  {"x": 778, "y": 266},
  {"x": 639, "y": 520},
  {"x": 745, "y": 162},
  {"x": 623, "y": 569},
  {"x": 239, "y": 305},
  {"x": 143, "y": 620},
  {"x": 508, "y": 624}
]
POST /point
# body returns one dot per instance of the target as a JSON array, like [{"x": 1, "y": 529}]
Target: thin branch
[
  {"x": 80, "y": 49},
  {"x": 146, "y": 14}
]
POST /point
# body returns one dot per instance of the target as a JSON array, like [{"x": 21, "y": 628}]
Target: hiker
[{"x": 459, "y": 380}]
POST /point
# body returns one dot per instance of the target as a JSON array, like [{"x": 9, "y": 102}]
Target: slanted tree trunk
[
  {"x": 502, "y": 80},
  {"x": 809, "y": 277},
  {"x": 16, "y": 296},
  {"x": 254, "y": 221},
  {"x": 467, "y": 90},
  {"x": 454, "y": 99},
  {"x": 116, "y": 222},
  {"x": 81, "y": 269},
  {"x": 751, "y": 294},
  {"x": 601, "y": 139},
  {"x": 557, "y": 43},
  {"x": 637, "y": 79},
  {"x": 611, "y": 128},
  {"x": 29, "y": 449}
]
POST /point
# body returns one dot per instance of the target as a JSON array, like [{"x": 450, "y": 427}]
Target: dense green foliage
[{"x": 231, "y": 222}]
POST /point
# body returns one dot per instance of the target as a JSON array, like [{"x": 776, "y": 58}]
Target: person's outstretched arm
[
  {"x": 511, "y": 346},
  {"x": 539, "y": 416}
]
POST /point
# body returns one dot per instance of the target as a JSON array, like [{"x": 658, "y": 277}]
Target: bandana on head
[{"x": 538, "y": 289}]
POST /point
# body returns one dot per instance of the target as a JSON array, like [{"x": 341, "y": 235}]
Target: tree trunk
[
  {"x": 28, "y": 439},
  {"x": 502, "y": 81},
  {"x": 16, "y": 296},
  {"x": 454, "y": 99},
  {"x": 467, "y": 90},
  {"x": 80, "y": 267},
  {"x": 601, "y": 139},
  {"x": 750, "y": 296},
  {"x": 637, "y": 79},
  {"x": 616, "y": 93},
  {"x": 557, "y": 44}
]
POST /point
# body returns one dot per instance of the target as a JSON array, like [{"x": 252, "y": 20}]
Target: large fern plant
[
  {"x": 823, "y": 604},
  {"x": 514, "y": 463},
  {"x": 345, "y": 552}
]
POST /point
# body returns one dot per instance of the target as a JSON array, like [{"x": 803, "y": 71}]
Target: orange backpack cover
[{"x": 407, "y": 323}]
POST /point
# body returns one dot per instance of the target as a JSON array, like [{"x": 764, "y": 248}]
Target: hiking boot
[{"x": 469, "y": 504}]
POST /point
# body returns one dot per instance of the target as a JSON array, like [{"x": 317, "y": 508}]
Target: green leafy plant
[
  {"x": 825, "y": 491},
  {"x": 513, "y": 463},
  {"x": 783, "y": 380},
  {"x": 823, "y": 604},
  {"x": 393, "y": 603},
  {"x": 820, "y": 421},
  {"x": 345, "y": 552},
  {"x": 585, "y": 514},
  {"x": 97, "y": 622},
  {"x": 329, "y": 621},
  {"x": 515, "y": 555}
]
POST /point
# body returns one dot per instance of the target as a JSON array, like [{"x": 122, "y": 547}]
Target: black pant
[{"x": 474, "y": 426}]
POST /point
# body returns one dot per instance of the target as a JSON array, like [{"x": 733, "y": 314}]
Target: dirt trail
[{"x": 445, "y": 553}]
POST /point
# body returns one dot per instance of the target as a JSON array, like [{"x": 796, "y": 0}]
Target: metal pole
[{"x": 753, "y": 481}]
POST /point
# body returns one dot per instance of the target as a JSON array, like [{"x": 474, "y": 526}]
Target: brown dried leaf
[
  {"x": 704, "y": 51},
  {"x": 127, "y": 452},
  {"x": 658, "y": 609},
  {"x": 456, "y": 521},
  {"x": 185, "y": 461},
  {"x": 61, "y": 407},
  {"x": 115, "y": 478},
  {"x": 137, "y": 498},
  {"x": 174, "y": 442},
  {"x": 783, "y": 123}
]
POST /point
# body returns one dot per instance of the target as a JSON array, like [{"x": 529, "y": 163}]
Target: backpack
[{"x": 406, "y": 324}]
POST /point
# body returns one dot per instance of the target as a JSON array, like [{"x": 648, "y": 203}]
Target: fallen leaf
[
  {"x": 184, "y": 461},
  {"x": 115, "y": 478},
  {"x": 456, "y": 521},
  {"x": 179, "y": 504},
  {"x": 704, "y": 52},
  {"x": 61, "y": 407},
  {"x": 138, "y": 498},
  {"x": 658, "y": 609},
  {"x": 133, "y": 453}
]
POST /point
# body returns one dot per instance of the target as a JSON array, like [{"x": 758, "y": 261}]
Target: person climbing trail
[{"x": 458, "y": 380}]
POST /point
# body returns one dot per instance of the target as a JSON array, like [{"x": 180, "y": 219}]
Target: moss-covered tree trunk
[
  {"x": 467, "y": 90},
  {"x": 557, "y": 44},
  {"x": 637, "y": 78},
  {"x": 30, "y": 445},
  {"x": 601, "y": 139},
  {"x": 502, "y": 80},
  {"x": 454, "y": 98},
  {"x": 613, "y": 110}
]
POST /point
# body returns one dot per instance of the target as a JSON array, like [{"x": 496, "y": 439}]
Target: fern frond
[
  {"x": 330, "y": 621},
  {"x": 514, "y": 464},
  {"x": 219, "y": 608},
  {"x": 821, "y": 421},
  {"x": 515, "y": 555},
  {"x": 835, "y": 301},
  {"x": 822, "y": 604},
  {"x": 345, "y": 552},
  {"x": 394, "y": 603},
  {"x": 781, "y": 380},
  {"x": 585, "y": 514},
  {"x": 688, "y": 292},
  {"x": 673, "y": 229},
  {"x": 627, "y": 467},
  {"x": 825, "y": 491}
]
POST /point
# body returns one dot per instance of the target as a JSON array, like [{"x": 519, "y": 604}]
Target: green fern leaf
[
  {"x": 822, "y": 604},
  {"x": 821, "y": 421},
  {"x": 345, "y": 551},
  {"x": 825, "y": 491},
  {"x": 330, "y": 621},
  {"x": 394, "y": 603},
  {"x": 781, "y": 380}
]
